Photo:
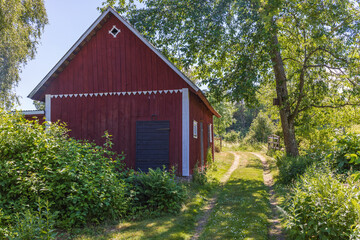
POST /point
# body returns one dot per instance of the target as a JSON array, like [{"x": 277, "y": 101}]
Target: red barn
[{"x": 114, "y": 80}]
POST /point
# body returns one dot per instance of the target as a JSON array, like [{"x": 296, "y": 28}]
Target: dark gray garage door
[{"x": 152, "y": 144}]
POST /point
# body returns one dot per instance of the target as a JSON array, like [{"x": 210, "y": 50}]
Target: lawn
[{"x": 180, "y": 226}]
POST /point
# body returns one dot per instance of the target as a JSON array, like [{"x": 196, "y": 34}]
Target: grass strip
[{"x": 243, "y": 206}]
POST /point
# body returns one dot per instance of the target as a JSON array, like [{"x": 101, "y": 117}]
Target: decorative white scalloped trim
[{"x": 116, "y": 93}]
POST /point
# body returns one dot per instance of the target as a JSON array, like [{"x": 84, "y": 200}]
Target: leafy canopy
[
  {"x": 21, "y": 24},
  {"x": 229, "y": 43}
]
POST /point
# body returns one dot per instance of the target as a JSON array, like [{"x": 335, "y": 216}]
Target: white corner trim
[
  {"x": 185, "y": 133},
  {"x": 48, "y": 108}
]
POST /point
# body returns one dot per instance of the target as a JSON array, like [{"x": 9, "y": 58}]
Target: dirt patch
[
  {"x": 212, "y": 201},
  {"x": 275, "y": 231}
]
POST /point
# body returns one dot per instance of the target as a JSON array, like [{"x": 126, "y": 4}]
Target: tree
[
  {"x": 260, "y": 129},
  {"x": 308, "y": 49},
  {"x": 21, "y": 24},
  {"x": 226, "y": 110},
  {"x": 39, "y": 105},
  {"x": 243, "y": 116}
]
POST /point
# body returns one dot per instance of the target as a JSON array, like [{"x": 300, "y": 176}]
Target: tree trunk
[{"x": 287, "y": 122}]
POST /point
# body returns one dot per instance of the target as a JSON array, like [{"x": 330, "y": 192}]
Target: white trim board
[
  {"x": 32, "y": 112},
  {"x": 48, "y": 108},
  {"x": 90, "y": 29},
  {"x": 185, "y": 133}
]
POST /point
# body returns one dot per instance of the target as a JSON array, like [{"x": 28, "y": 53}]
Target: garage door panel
[{"x": 152, "y": 144}]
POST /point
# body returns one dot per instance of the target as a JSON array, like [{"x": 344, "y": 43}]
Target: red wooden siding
[
  {"x": 108, "y": 64},
  {"x": 88, "y": 118},
  {"x": 39, "y": 117},
  {"x": 200, "y": 113}
]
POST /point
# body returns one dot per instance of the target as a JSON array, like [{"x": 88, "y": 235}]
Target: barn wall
[
  {"x": 200, "y": 113},
  {"x": 108, "y": 64},
  {"x": 39, "y": 117},
  {"x": 88, "y": 118}
]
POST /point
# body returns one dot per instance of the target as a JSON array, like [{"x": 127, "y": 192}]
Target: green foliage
[
  {"x": 244, "y": 116},
  {"x": 34, "y": 225},
  {"x": 77, "y": 178},
  {"x": 322, "y": 207},
  {"x": 199, "y": 177},
  {"x": 315, "y": 128},
  {"x": 290, "y": 168},
  {"x": 154, "y": 193},
  {"x": 210, "y": 161},
  {"x": 226, "y": 110},
  {"x": 232, "y": 136},
  {"x": 260, "y": 129},
  {"x": 344, "y": 152},
  {"x": 21, "y": 24},
  {"x": 39, "y": 105},
  {"x": 306, "y": 51}
]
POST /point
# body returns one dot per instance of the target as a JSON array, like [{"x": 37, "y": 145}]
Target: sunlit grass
[
  {"x": 242, "y": 146},
  {"x": 243, "y": 205}
]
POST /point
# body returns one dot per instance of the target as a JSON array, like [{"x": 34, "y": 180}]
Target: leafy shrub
[
  {"x": 260, "y": 129},
  {"x": 217, "y": 148},
  {"x": 154, "y": 192},
  {"x": 232, "y": 136},
  {"x": 290, "y": 168},
  {"x": 78, "y": 178},
  {"x": 199, "y": 177},
  {"x": 344, "y": 152},
  {"x": 322, "y": 207},
  {"x": 38, "y": 225}
]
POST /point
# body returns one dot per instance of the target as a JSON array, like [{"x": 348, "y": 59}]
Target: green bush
[
  {"x": 199, "y": 177},
  {"x": 154, "y": 193},
  {"x": 322, "y": 207},
  {"x": 290, "y": 168},
  {"x": 260, "y": 129},
  {"x": 232, "y": 136},
  {"x": 38, "y": 225},
  {"x": 344, "y": 149},
  {"x": 77, "y": 178}
]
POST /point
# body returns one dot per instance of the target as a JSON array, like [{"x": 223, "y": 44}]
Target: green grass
[
  {"x": 243, "y": 205},
  {"x": 179, "y": 226},
  {"x": 242, "y": 146}
]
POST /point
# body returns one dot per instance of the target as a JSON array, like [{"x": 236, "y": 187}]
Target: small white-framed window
[
  {"x": 210, "y": 133},
  {"x": 195, "y": 129},
  {"x": 114, "y": 31}
]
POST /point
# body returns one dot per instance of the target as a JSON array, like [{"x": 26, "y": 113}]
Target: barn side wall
[
  {"x": 200, "y": 113},
  {"x": 88, "y": 118},
  {"x": 39, "y": 117}
]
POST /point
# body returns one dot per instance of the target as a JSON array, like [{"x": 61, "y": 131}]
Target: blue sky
[{"x": 68, "y": 20}]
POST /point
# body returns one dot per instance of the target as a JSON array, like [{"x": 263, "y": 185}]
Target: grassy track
[{"x": 243, "y": 205}]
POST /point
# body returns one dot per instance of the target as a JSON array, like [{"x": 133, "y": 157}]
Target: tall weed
[
  {"x": 322, "y": 207},
  {"x": 154, "y": 193}
]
